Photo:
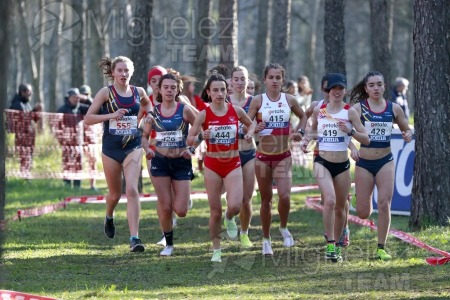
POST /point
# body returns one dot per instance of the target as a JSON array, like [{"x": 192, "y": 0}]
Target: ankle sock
[{"x": 169, "y": 238}]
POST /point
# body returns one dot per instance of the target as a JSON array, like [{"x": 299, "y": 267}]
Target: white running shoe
[
  {"x": 217, "y": 256},
  {"x": 288, "y": 240},
  {"x": 231, "y": 227},
  {"x": 167, "y": 251},
  {"x": 162, "y": 242},
  {"x": 191, "y": 203},
  {"x": 267, "y": 248}
]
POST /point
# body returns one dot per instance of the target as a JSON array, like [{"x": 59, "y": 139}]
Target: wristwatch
[
  {"x": 302, "y": 132},
  {"x": 352, "y": 132},
  {"x": 191, "y": 149}
]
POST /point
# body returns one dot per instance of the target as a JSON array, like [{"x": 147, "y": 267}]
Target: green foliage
[{"x": 66, "y": 255}]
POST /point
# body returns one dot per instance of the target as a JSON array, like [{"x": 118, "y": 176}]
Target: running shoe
[
  {"x": 231, "y": 227},
  {"x": 191, "y": 204},
  {"x": 382, "y": 254},
  {"x": 245, "y": 241},
  {"x": 217, "y": 256},
  {"x": 136, "y": 245},
  {"x": 110, "y": 229},
  {"x": 344, "y": 240},
  {"x": 331, "y": 252},
  {"x": 167, "y": 251},
  {"x": 162, "y": 242},
  {"x": 338, "y": 254},
  {"x": 288, "y": 240},
  {"x": 267, "y": 247}
]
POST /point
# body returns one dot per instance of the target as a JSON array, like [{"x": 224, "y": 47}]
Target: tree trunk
[
  {"x": 141, "y": 48},
  {"x": 51, "y": 58},
  {"x": 141, "y": 44},
  {"x": 431, "y": 186},
  {"x": 381, "y": 22},
  {"x": 29, "y": 51},
  {"x": 96, "y": 38},
  {"x": 262, "y": 37},
  {"x": 5, "y": 14},
  {"x": 334, "y": 36},
  {"x": 281, "y": 20},
  {"x": 78, "y": 50},
  {"x": 202, "y": 39},
  {"x": 228, "y": 31},
  {"x": 310, "y": 55}
]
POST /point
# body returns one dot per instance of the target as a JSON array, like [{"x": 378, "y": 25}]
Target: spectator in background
[
  {"x": 398, "y": 94},
  {"x": 90, "y": 139},
  {"x": 70, "y": 134},
  {"x": 23, "y": 125},
  {"x": 305, "y": 92}
]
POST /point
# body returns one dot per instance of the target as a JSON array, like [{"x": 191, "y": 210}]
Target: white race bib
[
  {"x": 223, "y": 134},
  {"x": 169, "y": 139},
  {"x": 378, "y": 131},
  {"x": 127, "y": 125}
]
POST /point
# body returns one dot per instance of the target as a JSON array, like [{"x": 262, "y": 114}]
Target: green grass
[{"x": 66, "y": 255}]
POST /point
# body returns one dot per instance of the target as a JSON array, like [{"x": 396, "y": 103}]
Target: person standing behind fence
[
  {"x": 70, "y": 135},
  {"x": 376, "y": 166},
  {"x": 398, "y": 94},
  {"x": 23, "y": 125},
  {"x": 121, "y": 106},
  {"x": 90, "y": 140},
  {"x": 304, "y": 91},
  {"x": 273, "y": 156}
]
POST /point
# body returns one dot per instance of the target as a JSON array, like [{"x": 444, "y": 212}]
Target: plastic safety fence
[
  {"x": 314, "y": 203},
  {"x": 55, "y": 145}
]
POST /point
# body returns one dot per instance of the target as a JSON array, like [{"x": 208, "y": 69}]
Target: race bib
[
  {"x": 223, "y": 134},
  {"x": 127, "y": 125},
  {"x": 330, "y": 133},
  {"x": 379, "y": 131},
  {"x": 169, "y": 139},
  {"x": 276, "y": 118}
]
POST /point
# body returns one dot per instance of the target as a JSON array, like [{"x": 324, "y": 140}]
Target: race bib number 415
[{"x": 127, "y": 125}]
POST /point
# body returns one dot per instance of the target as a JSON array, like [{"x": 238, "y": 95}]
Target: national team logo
[
  {"x": 280, "y": 104},
  {"x": 232, "y": 119}
]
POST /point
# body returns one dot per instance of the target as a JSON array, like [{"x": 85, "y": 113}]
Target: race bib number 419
[{"x": 127, "y": 125}]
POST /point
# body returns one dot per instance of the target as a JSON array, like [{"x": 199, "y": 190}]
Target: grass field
[{"x": 66, "y": 255}]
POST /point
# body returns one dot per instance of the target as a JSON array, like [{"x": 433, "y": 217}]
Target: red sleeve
[{"x": 199, "y": 103}]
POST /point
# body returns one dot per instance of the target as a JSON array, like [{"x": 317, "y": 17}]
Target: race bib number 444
[
  {"x": 127, "y": 125},
  {"x": 223, "y": 134}
]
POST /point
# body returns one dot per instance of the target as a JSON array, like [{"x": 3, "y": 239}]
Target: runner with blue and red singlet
[
  {"x": 222, "y": 163},
  {"x": 247, "y": 151},
  {"x": 120, "y": 107},
  {"x": 171, "y": 169},
  {"x": 376, "y": 165},
  {"x": 273, "y": 156}
]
